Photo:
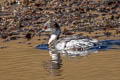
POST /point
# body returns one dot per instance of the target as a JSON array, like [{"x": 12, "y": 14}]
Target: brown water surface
[{"x": 19, "y": 60}]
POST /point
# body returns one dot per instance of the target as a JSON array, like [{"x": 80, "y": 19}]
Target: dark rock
[
  {"x": 21, "y": 42},
  {"x": 108, "y": 34},
  {"x": 6, "y": 40},
  {"x": 28, "y": 36},
  {"x": 13, "y": 38},
  {"x": 29, "y": 43},
  {"x": 4, "y": 36},
  {"x": 2, "y": 47},
  {"x": 39, "y": 39}
]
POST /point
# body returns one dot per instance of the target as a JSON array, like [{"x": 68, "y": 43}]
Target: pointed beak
[{"x": 40, "y": 31}]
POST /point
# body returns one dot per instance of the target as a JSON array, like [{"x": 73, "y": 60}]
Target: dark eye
[{"x": 46, "y": 27}]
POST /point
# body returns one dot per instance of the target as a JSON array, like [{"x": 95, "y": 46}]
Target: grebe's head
[
  {"x": 51, "y": 26},
  {"x": 54, "y": 29}
]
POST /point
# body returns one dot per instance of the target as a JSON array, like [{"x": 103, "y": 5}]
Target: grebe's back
[{"x": 73, "y": 43}]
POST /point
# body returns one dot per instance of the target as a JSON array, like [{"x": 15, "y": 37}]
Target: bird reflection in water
[{"x": 54, "y": 66}]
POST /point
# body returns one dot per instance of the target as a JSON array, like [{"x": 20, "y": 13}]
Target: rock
[
  {"x": 107, "y": 34},
  {"x": 29, "y": 43},
  {"x": 13, "y": 38},
  {"x": 76, "y": 14},
  {"x": 28, "y": 36},
  {"x": 2, "y": 47},
  {"x": 4, "y": 36},
  {"x": 21, "y": 42},
  {"x": 6, "y": 40}
]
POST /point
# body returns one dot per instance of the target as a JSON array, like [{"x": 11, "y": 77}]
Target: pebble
[
  {"x": 29, "y": 43},
  {"x": 18, "y": 17}
]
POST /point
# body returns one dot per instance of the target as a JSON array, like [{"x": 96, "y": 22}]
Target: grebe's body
[
  {"x": 67, "y": 43},
  {"x": 73, "y": 43}
]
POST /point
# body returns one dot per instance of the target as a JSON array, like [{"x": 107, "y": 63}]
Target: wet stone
[
  {"x": 6, "y": 40},
  {"x": 4, "y": 36},
  {"x": 2, "y": 47},
  {"x": 29, "y": 43},
  {"x": 38, "y": 39},
  {"x": 21, "y": 42},
  {"x": 14, "y": 38},
  {"x": 108, "y": 34}
]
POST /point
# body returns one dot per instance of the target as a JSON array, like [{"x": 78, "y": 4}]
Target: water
[
  {"x": 54, "y": 66},
  {"x": 24, "y": 62}
]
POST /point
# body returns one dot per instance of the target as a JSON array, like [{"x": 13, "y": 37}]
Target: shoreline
[{"x": 43, "y": 39}]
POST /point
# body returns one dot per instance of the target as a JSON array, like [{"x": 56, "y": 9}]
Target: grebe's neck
[{"x": 54, "y": 36}]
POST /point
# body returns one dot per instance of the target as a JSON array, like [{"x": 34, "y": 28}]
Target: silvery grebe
[{"x": 66, "y": 43}]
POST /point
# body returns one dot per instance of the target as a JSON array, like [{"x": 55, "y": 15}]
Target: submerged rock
[{"x": 2, "y": 47}]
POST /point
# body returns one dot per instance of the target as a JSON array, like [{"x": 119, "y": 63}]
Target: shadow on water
[{"x": 54, "y": 65}]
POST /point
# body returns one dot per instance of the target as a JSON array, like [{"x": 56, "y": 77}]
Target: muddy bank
[{"x": 21, "y": 17}]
